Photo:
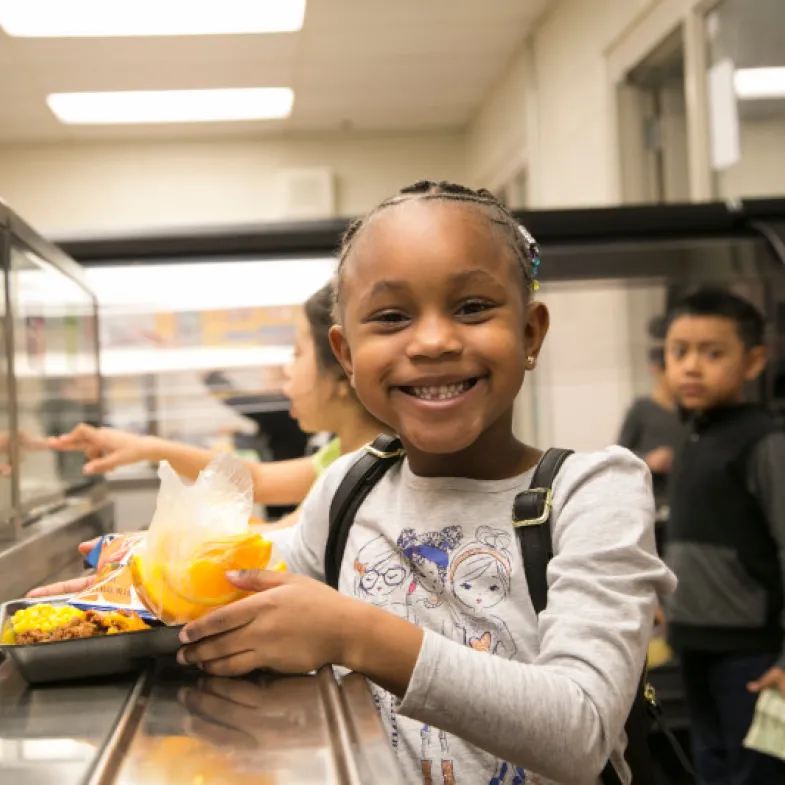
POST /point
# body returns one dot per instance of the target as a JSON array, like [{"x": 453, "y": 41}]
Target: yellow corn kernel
[{"x": 43, "y": 617}]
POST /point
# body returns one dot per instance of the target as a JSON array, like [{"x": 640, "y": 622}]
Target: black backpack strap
[
  {"x": 531, "y": 516},
  {"x": 367, "y": 470}
]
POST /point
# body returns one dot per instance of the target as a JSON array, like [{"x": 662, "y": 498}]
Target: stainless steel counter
[
  {"x": 170, "y": 726},
  {"x": 47, "y": 551}
]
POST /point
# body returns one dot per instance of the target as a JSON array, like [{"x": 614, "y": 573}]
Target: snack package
[
  {"x": 113, "y": 588},
  {"x": 176, "y": 571}
]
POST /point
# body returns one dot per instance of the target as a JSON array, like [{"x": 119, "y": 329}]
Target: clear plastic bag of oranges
[{"x": 199, "y": 532}]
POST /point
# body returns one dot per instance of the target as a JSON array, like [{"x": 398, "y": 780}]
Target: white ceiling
[{"x": 364, "y": 65}]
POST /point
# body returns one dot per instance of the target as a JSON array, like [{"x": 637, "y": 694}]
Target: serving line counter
[
  {"x": 49, "y": 382},
  {"x": 168, "y": 726}
]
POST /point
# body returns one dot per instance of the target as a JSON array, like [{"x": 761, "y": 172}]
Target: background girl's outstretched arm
[{"x": 275, "y": 482}]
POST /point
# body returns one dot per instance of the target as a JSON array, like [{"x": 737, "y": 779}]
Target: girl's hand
[
  {"x": 293, "y": 625},
  {"x": 105, "y": 448},
  {"x": 72, "y": 586}
]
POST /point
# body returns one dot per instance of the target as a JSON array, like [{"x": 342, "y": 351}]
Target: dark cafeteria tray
[{"x": 86, "y": 658}]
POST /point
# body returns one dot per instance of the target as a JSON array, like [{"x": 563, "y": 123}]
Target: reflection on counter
[
  {"x": 54, "y": 734},
  {"x": 232, "y": 731},
  {"x": 171, "y": 726}
]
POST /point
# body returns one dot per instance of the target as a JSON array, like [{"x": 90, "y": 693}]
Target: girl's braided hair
[{"x": 522, "y": 244}]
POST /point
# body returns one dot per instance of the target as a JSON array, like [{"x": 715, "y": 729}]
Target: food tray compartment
[{"x": 86, "y": 658}]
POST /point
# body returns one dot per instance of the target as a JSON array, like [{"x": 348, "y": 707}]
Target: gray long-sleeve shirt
[{"x": 497, "y": 691}]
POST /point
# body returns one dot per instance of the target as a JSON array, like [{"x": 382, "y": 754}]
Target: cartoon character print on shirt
[
  {"x": 429, "y": 557},
  {"x": 381, "y": 577},
  {"x": 479, "y": 579}
]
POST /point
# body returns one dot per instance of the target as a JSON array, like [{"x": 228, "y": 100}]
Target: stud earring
[{"x": 531, "y": 360}]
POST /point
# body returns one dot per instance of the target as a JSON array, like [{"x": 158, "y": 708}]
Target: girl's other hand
[
  {"x": 293, "y": 625},
  {"x": 105, "y": 448},
  {"x": 71, "y": 586}
]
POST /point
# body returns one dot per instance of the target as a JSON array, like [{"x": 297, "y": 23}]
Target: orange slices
[{"x": 181, "y": 592}]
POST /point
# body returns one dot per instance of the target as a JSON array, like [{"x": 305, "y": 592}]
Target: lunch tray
[{"x": 85, "y": 658}]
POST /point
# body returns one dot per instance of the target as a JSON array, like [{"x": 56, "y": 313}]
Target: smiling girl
[{"x": 436, "y": 330}]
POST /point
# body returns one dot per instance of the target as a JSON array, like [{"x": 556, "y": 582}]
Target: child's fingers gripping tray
[{"x": 147, "y": 584}]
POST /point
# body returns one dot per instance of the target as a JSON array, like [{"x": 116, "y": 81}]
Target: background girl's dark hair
[
  {"x": 521, "y": 243},
  {"x": 319, "y": 312}
]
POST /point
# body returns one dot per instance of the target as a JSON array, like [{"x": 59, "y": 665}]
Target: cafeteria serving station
[{"x": 164, "y": 724}]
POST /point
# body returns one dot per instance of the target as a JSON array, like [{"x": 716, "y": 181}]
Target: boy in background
[{"x": 726, "y": 537}]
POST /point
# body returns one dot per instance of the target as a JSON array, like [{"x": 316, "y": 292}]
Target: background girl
[{"x": 322, "y": 400}]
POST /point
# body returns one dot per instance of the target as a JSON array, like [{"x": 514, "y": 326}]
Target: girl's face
[
  {"x": 436, "y": 326},
  {"x": 310, "y": 389},
  {"x": 479, "y": 592}
]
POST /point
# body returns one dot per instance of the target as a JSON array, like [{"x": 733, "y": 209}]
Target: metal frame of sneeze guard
[
  {"x": 384, "y": 455},
  {"x": 546, "y": 510}
]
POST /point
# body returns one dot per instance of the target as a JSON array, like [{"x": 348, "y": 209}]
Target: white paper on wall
[{"x": 723, "y": 116}]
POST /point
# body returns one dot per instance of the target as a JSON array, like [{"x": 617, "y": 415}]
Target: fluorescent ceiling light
[
  {"x": 172, "y": 106},
  {"x": 108, "y": 19},
  {"x": 760, "y": 83}
]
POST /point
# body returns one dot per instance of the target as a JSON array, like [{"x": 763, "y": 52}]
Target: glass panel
[
  {"x": 203, "y": 362},
  {"x": 56, "y": 372},
  {"x": 6, "y": 494},
  {"x": 747, "y": 104}
]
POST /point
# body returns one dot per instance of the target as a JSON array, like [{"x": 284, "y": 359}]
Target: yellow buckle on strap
[
  {"x": 385, "y": 455},
  {"x": 546, "y": 509}
]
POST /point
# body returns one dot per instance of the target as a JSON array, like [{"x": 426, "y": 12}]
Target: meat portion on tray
[{"x": 47, "y": 624}]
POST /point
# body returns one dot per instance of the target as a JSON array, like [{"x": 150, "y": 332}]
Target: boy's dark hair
[
  {"x": 319, "y": 312},
  {"x": 521, "y": 243},
  {"x": 712, "y": 301}
]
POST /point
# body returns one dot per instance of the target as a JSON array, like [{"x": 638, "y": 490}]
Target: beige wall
[
  {"x": 761, "y": 170},
  {"x": 79, "y": 188},
  {"x": 496, "y": 138},
  {"x": 575, "y": 102},
  {"x": 585, "y": 379}
]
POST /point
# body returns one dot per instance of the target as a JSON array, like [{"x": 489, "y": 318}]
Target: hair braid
[{"x": 522, "y": 244}]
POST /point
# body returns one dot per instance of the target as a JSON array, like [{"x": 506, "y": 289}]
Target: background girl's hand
[
  {"x": 293, "y": 625},
  {"x": 105, "y": 448}
]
